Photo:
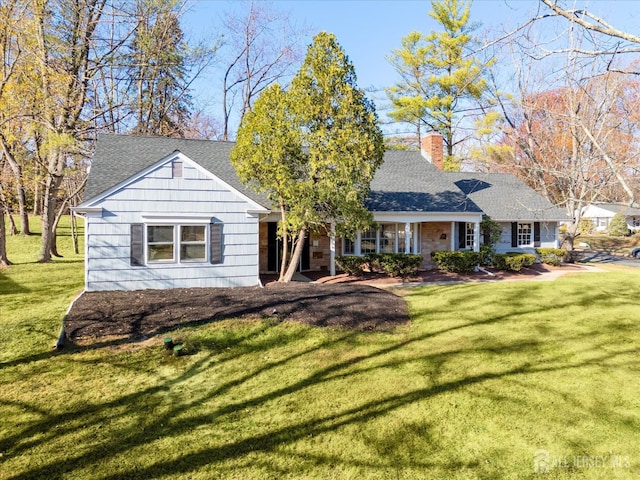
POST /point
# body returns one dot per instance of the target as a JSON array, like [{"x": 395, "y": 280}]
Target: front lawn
[{"x": 487, "y": 381}]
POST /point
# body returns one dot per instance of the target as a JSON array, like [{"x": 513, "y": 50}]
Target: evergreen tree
[
  {"x": 159, "y": 87},
  {"x": 618, "y": 226},
  {"x": 439, "y": 78},
  {"x": 314, "y": 148}
]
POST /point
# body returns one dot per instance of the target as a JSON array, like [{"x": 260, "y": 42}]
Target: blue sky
[{"x": 368, "y": 30}]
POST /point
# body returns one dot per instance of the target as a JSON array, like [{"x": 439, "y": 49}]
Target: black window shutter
[
  {"x": 215, "y": 243},
  {"x": 462, "y": 235},
  {"x": 536, "y": 234},
  {"x": 514, "y": 234},
  {"x": 137, "y": 245}
]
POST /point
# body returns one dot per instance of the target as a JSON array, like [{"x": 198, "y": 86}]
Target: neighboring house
[
  {"x": 602, "y": 213},
  {"x": 171, "y": 213}
]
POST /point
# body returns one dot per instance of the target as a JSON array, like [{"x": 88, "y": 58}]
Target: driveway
[{"x": 604, "y": 257}]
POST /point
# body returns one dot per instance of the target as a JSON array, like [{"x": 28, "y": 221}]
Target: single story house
[
  {"x": 170, "y": 213},
  {"x": 602, "y": 213}
]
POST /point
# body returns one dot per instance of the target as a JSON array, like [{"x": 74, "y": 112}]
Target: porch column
[
  {"x": 332, "y": 250},
  {"x": 407, "y": 237},
  {"x": 476, "y": 237},
  {"x": 452, "y": 236}
]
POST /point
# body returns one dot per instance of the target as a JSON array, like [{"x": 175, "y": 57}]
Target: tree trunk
[
  {"x": 285, "y": 244},
  {"x": 52, "y": 185},
  {"x": 4, "y": 261},
  {"x": 16, "y": 169},
  {"x": 295, "y": 257},
  {"x": 74, "y": 233},
  {"x": 37, "y": 202},
  {"x": 13, "y": 230}
]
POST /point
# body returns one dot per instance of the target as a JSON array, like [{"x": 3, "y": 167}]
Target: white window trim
[
  {"x": 176, "y": 218},
  {"x": 414, "y": 246},
  {"x": 177, "y": 243},
  {"x": 530, "y": 234}
]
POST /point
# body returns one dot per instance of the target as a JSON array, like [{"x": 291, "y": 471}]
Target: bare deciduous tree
[
  {"x": 570, "y": 135},
  {"x": 262, "y": 48}
]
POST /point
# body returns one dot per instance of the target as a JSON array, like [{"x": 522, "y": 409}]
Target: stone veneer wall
[
  {"x": 434, "y": 236},
  {"x": 320, "y": 254}
]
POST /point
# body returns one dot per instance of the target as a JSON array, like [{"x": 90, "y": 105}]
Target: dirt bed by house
[
  {"x": 140, "y": 314},
  {"x": 338, "y": 301}
]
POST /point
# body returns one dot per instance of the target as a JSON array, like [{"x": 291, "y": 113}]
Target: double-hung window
[
  {"x": 368, "y": 241},
  {"x": 470, "y": 235},
  {"x": 193, "y": 243},
  {"x": 160, "y": 243},
  {"x": 155, "y": 244},
  {"x": 388, "y": 238},
  {"x": 348, "y": 246}
]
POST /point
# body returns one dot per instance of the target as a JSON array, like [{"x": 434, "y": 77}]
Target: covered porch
[{"x": 415, "y": 234}]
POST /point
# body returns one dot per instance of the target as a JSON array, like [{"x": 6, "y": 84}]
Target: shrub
[
  {"x": 586, "y": 226},
  {"x": 551, "y": 256},
  {"x": 395, "y": 264},
  {"x": 486, "y": 254},
  {"x": 491, "y": 232},
  {"x": 618, "y": 226},
  {"x": 513, "y": 261},
  {"x": 456, "y": 261},
  {"x": 352, "y": 265}
]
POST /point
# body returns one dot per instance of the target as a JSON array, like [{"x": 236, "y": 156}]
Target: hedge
[
  {"x": 395, "y": 264},
  {"x": 456, "y": 261},
  {"x": 352, "y": 265},
  {"x": 551, "y": 256},
  {"x": 513, "y": 261}
]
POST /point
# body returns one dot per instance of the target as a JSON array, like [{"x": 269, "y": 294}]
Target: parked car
[{"x": 636, "y": 253}]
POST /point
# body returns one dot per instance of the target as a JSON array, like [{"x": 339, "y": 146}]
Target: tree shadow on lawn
[{"x": 222, "y": 402}]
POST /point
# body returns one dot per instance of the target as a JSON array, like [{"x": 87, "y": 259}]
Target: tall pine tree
[
  {"x": 159, "y": 89},
  {"x": 440, "y": 78}
]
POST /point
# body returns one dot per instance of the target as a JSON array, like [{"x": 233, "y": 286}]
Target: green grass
[{"x": 484, "y": 376}]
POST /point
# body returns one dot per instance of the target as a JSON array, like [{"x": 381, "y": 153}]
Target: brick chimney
[{"x": 431, "y": 149}]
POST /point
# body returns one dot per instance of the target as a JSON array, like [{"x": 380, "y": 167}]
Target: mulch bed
[
  {"x": 143, "y": 313},
  {"x": 339, "y": 301}
]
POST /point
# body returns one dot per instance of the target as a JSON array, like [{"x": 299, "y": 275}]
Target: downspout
[{"x": 480, "y": 269}]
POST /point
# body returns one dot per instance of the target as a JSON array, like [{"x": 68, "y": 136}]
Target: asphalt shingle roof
[
  {"x": 119, "y": 157},
  {"x": 618, "y": 208},
  {"x": 406, "y": 182},
  {"x": 504, "y": 197}
]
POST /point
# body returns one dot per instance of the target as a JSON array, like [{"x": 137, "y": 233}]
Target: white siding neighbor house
[
  {"x": 171, "y": 213},
  {"x": 602, "y": 213}
]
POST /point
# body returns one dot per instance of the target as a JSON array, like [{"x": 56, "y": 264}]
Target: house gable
[
  {"x": 160, "y": 176},
  {"x": 171, "y": 224},
  {"x": 119, "y": 158}
]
